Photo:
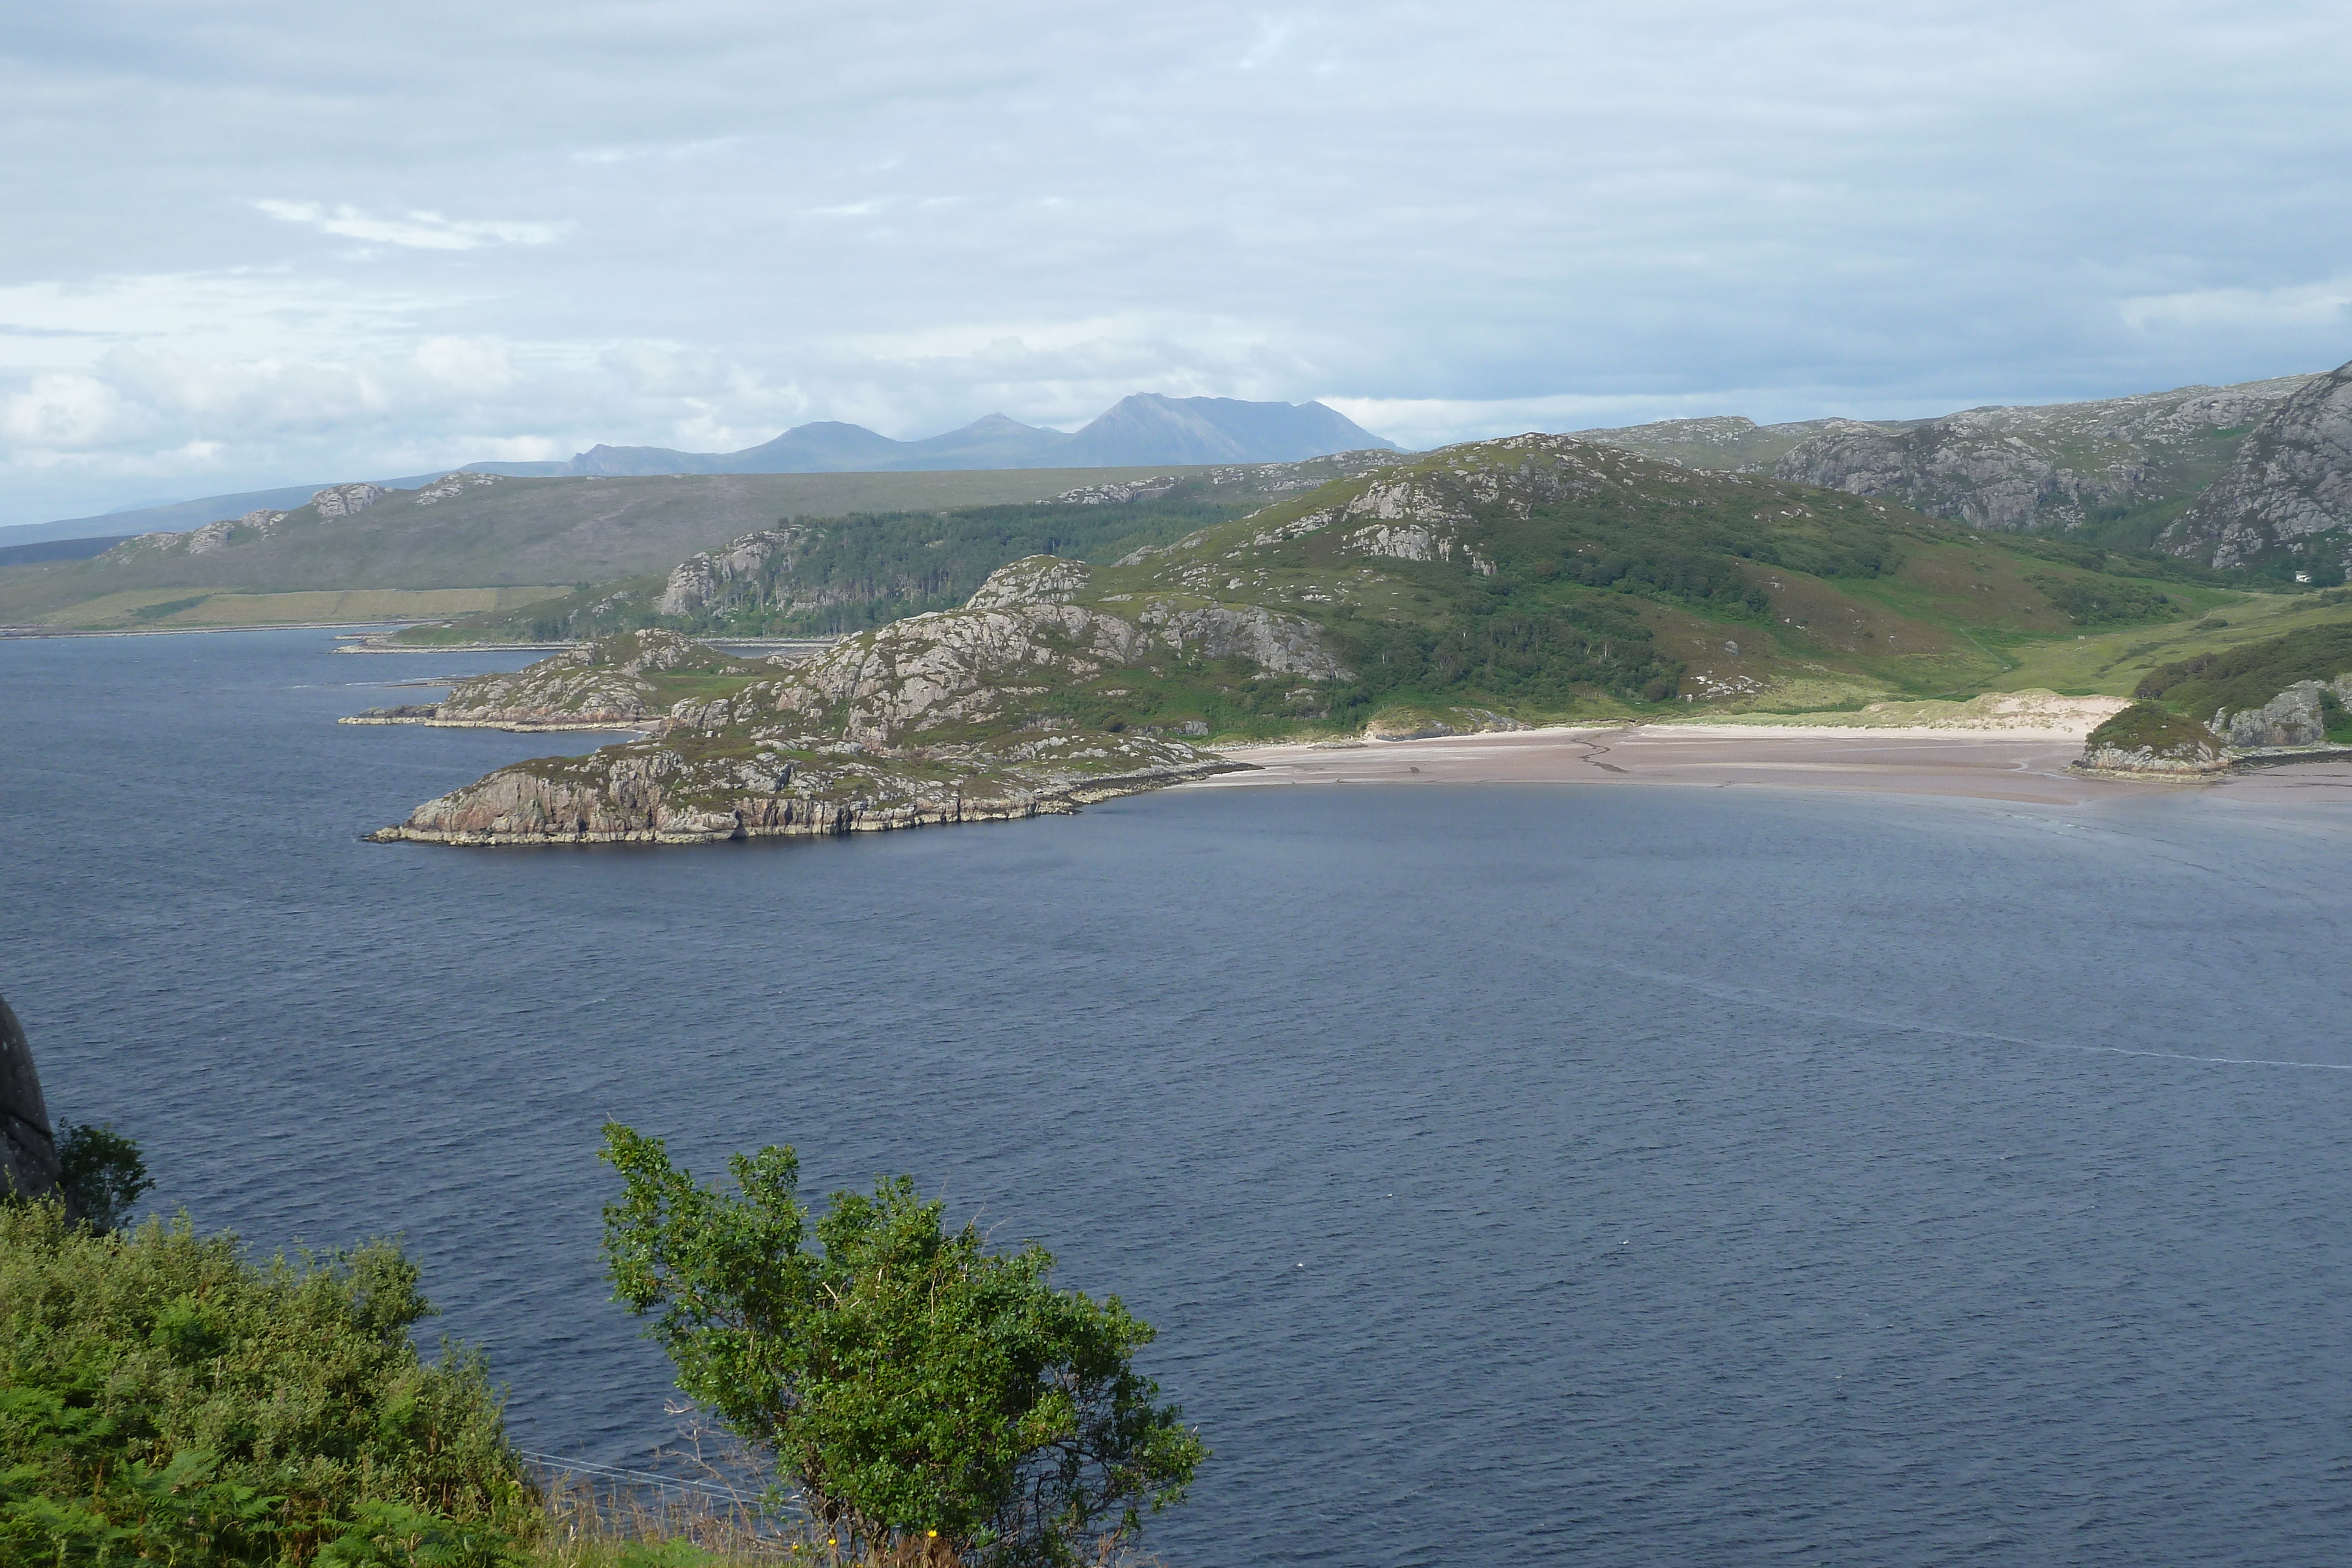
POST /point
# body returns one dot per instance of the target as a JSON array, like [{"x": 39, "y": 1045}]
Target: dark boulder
[{"x": 29, "y": 1151}]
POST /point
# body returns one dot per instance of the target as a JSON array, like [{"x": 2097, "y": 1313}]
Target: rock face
[
  {"x": 28, "y": 1152},
  {"x": 2049, "y": 467},
  {"x": 2290, "y": 480}
]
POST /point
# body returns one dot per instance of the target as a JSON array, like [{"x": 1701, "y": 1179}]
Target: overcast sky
[{"x": 249, "y": 244}]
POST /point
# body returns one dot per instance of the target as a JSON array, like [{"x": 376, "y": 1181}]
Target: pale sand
[{"x": 2004, "y": 765}]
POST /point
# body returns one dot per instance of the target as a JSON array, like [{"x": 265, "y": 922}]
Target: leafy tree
[
  {"x": 100, "y": 1174},
  {"x": 910, "y": 1382}
]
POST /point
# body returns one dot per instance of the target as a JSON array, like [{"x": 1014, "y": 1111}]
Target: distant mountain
[{"x": 1144, "y": 428}]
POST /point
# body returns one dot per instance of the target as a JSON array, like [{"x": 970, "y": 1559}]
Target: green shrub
[
  {"x": 165, "y": 1398},
  {"x": 918, "y": 1390}
]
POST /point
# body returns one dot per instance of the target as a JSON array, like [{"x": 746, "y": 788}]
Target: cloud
[
  {"x": 417, "y": 231},
  {"x": 1523, "y": 214},
  {"x": 2306, "y": 304}
]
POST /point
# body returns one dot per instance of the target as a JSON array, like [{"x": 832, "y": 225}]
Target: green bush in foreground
[
  {"x": 163, "y": 1399},
  {"x": 918, "y": 1389}
]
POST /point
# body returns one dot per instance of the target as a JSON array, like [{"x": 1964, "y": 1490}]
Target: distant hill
[
  {"x": 469, "y": 529},
  {"x": 1144, "y": 428}
]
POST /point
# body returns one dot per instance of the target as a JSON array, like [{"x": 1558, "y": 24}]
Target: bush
[
  {"x": 163, "y": 1397},
  {"x": 915, "y": 1387}
]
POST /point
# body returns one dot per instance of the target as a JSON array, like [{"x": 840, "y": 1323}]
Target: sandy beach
[{"x": 2020, "y": 765}]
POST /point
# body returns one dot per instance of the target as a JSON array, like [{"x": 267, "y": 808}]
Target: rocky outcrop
[
  {"x": 347, "y": 500},
  {"x": 2045, "y": 467},
  {"x": 2143, "y": 740},
  {"x": 1019, "y": 638},
  {"x": 612, "y": 683},
  {"x": 28, "y": 1149},
  {"x": 2296, "y": 716},
  {"x": 2290, "y": 480},
  {"x": 771, "y": 783},
  {"x": 752, "y": 569},
  {"x": 1119, "y": 494},
  {"x": 457, "y": 483}
]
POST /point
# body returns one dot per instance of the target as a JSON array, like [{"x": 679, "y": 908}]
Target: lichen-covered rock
[
  {"x": 2291, "y": 478},
  {"x": 29, "y": 1151},
  {"x": 748, "y": 571},
  {"x": 345, "y": 500},
  {"x": 2146, "y": 739}
]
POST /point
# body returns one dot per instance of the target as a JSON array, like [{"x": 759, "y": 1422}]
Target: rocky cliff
[
  {"x": 2289, "y": 485},
  {"x": 29, "y": 1151}
]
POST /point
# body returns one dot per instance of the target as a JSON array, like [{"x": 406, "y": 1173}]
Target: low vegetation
[
  {"x": 165, "y": 1397},
  {"x": 891, "y": 1394}
]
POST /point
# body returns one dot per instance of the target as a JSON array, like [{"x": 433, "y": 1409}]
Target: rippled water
[{"x": 1618, "y": 1175}]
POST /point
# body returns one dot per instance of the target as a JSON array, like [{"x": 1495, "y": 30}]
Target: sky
[{"x": 250, "y": 244}]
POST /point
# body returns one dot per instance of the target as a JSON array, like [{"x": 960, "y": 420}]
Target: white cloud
[
  {"x": 2306, "y": 305},
  {"x": 418, "y": 230}
]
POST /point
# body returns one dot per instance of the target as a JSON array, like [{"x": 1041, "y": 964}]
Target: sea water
[{"x": 1609, "y": 1175}]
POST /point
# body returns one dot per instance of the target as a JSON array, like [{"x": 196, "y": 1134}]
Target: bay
[{"x": 1616, "y": 1174}]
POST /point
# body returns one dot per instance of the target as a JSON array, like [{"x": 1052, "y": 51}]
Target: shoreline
[{"x": 2020, "y": 765}]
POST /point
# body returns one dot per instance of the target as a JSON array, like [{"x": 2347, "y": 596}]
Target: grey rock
[
  {"x": 2291, "y": 478},
  {"x": 28, "y": 1150},
  {"x": 344, "y": 500},
  {"x": 2293, "y": 717}
]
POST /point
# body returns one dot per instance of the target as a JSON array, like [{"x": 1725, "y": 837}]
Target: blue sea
[{"x": 1609, "y": 1175}]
